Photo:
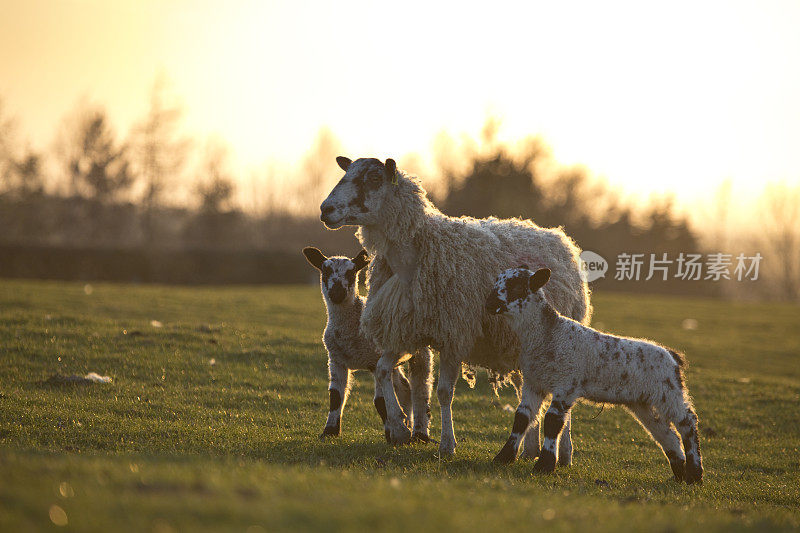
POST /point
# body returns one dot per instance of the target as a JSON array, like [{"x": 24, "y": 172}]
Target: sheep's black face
[{"x": 358, "y": 197}]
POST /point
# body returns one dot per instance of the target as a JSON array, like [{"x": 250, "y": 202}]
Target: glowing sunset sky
[{"x": 666, "y": 96}]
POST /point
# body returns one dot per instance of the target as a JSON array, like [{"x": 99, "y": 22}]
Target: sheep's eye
[{"x": 374, "y": 175}]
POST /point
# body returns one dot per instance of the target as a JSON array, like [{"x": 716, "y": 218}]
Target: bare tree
[
  {"x": 158, "y": 153},
  {"x": 96, "y": 164},
  {"x": 28, "y": 176},
  {"x": 216, "y": 186},
  {"x": 781, "y": 235},
  {"x": 319, "y": 171},
  {"x": 7, "y": 148}
]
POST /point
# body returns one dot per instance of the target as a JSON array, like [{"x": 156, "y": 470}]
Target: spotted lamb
[
  {"x": 429, "y": 276},
  {"x": 569, "y": 360},
  {"x": 348, "y": 350}
]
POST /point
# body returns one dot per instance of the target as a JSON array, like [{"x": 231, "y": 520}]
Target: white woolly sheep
[
  {"x": 429, "y": 276},
  {"x": 349, "y": 351},
  {"x": 572, "y": 361}
]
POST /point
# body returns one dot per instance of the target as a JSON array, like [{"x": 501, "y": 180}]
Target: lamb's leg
[
  {"x": 449, "y": 370},
  {"x": 380, "y": 405},
  {"x": 565, "y": 442},
  {"x": 531, "y": 447},
  {"x": 339, "y": 389},
  {"x": 685, "y": 421},
  {"x": 396, "y": 425},
  {"x": 421, "y": 373},
  {"x": 525, "y": 427},
  {"x": 554, "y": 421},
  {"x": 403, "y": 389},
  {"x": 664, "y": 435}
]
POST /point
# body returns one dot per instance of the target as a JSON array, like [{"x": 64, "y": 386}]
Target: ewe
[
  {"x": 348, "y": 350},
  {"x": 572, "y": 361},
  {"x": 430, "y": 275}
]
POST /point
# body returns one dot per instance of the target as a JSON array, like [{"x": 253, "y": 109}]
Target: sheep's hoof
[
  {"x": 399, "y": 433},
  {"x": 418, "y": 436},
  {"x": 565, "y": 461},
  {"x": 678, "y": 470},
  {"x": 447, "y": 447},
  {"x": 507, "y": 455},
  {"x": 329, "y": 431},
  {"x": 546, "y": 464},
  {"x": 694, "y": 473},
  {"x": 530, "y": 455}
]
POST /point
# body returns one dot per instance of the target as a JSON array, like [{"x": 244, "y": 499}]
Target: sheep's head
[
  {"x": 339, "y": 275},
  {"x": 358, "y": 197},
  {"x": 516, "y": 289}
]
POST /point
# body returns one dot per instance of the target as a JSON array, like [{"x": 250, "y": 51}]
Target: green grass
[{"x": 176, "y": 443}]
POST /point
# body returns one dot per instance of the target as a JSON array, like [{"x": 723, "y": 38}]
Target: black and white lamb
[
  {"x": 348, "y": 350},
  {"x": 430, "y": 275},
  {"x": 571, "y": 361}
]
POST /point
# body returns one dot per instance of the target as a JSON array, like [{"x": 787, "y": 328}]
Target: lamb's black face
[
  {"x": 510, "y": 293},
  {"x": 359, "y": 195},
  {"x": 339, "y": 275},
  {"x": 338, "y": 278},
  {"x": 516, "y": 289}
]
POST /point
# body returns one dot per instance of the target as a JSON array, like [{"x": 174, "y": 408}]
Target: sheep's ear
[
  {"x": 390, "y": 167},
  {"x": 538, "y": 279},
  {"x": 343, "y": 162},
  {"x": 361, "y": 260},
  {"x": 314, "y": 256}
]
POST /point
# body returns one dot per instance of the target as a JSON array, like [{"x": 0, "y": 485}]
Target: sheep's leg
[
  {"x": 380, "y": 404},
  {"x": 565, "y": 442},
  {"x": 339, "y": 389},
  {"x": 531, "y": 446},
  {"x": 686, "y": 424},
  {"x": 403, "y": 389},
  {"x": 525, "y": 427},
  {"x": 421, "y": 373},
  {"x": 664, "y": 435},
  {"x": 449, "y": 370},
  {"x": 554, "y": 421},
  {"x": 396, "y": 426}
]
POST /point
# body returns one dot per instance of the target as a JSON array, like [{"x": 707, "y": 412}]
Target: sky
[{"x": 655, "y": 97}]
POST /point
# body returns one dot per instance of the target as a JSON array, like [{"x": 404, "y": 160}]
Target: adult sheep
[{"x": 430, "y": 275}]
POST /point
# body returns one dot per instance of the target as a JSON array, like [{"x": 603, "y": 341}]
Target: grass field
[{"x": 211, "y": 422}]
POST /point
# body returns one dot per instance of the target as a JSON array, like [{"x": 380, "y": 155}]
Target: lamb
[
  {"x": 573, "y": 361},
  {"x": 349, "y": 351},
  {"x": 427, "y": 271}
]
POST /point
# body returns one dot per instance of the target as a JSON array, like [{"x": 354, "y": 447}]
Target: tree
[
  {"x": 215, "y": 188},
  {"x": 781, "y": 235},
  {"x": 158, "y": 153},
  {"x": 7, "y": 148},
  {"x": 27, "y": 172},
  {"x": 96, "y": 164},
  {"x": 319, "y": 170}
]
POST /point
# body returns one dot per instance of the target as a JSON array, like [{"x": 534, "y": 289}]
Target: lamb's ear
[
  {"x": 343, "y": 162},
  {"x": 361, "y": 260},
  {"x": 538, "y": 279},
  {"x": 390, "y": 167},
  {"x": 314, "y": 256}
]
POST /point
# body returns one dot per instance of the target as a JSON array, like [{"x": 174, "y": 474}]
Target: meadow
[{"x": 218, "y": 396}]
